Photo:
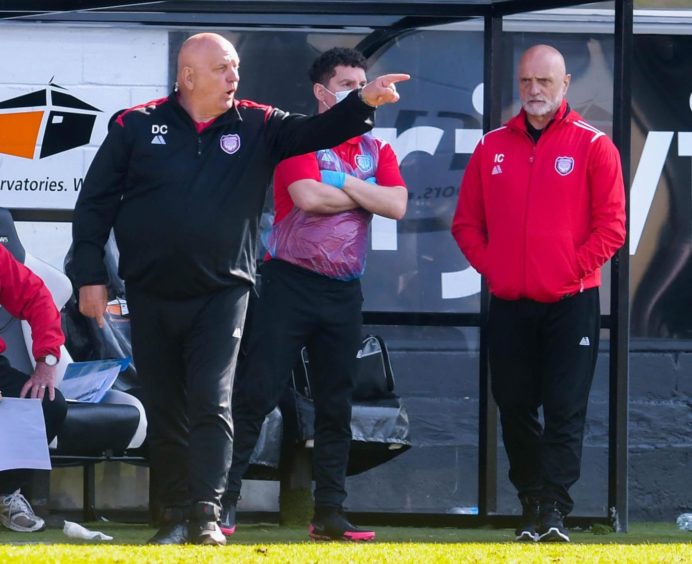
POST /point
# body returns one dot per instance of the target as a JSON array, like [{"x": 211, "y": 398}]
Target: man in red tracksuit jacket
[
  {"x": 541, "y": 209},
  {"x": 24, "y": 296}
]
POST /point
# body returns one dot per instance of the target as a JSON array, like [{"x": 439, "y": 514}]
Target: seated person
[{"x": 24, "y": 295}]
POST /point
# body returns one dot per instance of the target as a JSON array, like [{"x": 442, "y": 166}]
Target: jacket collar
[{"x": 229, "y": 116}]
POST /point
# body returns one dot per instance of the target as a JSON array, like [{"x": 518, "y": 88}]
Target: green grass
[
  {"x": 660, "y": 533},
  {"x": 646, "y": 542}
]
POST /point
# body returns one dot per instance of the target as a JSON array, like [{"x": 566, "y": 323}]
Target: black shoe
[
  {"x": 552, "y": 527},
  {"x": 331, "y": 524},
  {"x": 526, "y": 531},
  {"x": 173, "y": 528},
  {"x": 227, "y": 523},
  {"x": 204, "y": 528}
]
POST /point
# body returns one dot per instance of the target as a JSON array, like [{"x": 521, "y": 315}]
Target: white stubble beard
[{"x": 547, "y": 107}]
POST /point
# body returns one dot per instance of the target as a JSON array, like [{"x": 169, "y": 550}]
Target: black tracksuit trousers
[
  {"x": 298, "y": 307},
  {"x": 544, "y": 354},
  {"x": 185, "y": 351},
  {"x": 11, "y": 383}
]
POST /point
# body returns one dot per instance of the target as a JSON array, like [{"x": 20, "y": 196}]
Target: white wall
[{"x": 109, "y": 68}]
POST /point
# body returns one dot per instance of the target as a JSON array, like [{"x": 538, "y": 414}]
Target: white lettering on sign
[
  {"x": 645, "y": 182},
  {"x": 421, "y": 138}
]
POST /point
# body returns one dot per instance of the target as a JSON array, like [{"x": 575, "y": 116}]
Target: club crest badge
[
  {"x": 564, "y": 165},
  {"x": 364, "y": 162},
  {"x": 230, "y": 143}
]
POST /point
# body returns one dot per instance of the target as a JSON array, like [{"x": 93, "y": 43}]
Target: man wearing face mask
[{"x": 311, "y": 294}]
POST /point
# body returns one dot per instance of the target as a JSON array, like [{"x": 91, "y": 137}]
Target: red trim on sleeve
[
  {"x": 255, "y": 106},
  {"x": 152, "y": 103}
]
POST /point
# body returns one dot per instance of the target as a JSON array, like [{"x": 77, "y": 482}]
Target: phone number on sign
[{"x": 432, "y": 192}]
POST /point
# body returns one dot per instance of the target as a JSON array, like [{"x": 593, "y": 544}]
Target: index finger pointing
[{"x": 388, "y": 79}]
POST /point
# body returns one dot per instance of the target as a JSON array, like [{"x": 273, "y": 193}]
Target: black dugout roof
[{"x": 295, "y": 12}]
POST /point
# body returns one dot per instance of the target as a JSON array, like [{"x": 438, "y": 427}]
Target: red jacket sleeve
[
  {"x": 469, "y": 223},
  {"x": 25, "y": 296},
  {"x": 607, "y": 207}
]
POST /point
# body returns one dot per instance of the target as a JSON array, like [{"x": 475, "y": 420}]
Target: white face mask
[{"x": 340, "y": 96}]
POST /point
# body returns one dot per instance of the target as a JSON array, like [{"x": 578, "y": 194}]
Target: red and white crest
[{"x": 230, "y": 143}]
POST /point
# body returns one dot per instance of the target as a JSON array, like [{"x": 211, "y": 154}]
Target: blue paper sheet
[{"x": 89, "y": 381}]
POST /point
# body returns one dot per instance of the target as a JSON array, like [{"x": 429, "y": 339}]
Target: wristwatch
[{"x": 49, "y": 359}]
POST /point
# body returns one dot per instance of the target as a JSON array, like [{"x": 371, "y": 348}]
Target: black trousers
[
  {"x": 185, "y": 350},
  {"x": 11, "y": 383},
  {"x": 297, "y": 308},
  {"x": 544, "y": 354}
]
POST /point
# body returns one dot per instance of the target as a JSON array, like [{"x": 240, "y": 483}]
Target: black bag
[
  {"x": 373, "y": 380},
  {"x": 379, "y": 422}
]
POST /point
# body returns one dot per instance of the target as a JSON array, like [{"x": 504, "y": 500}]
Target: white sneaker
[{"x": 16, "y": 514}]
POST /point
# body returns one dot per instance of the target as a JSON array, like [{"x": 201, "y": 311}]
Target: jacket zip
[{"x": 532, "y": 159}]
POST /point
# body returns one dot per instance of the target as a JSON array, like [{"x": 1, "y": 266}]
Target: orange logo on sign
[{"x": 44, "y": 123}]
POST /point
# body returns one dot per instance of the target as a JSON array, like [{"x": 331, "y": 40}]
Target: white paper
[
  {"x": 77, "y": 531},
  {"x": 23, "y": 441},
  {"x": 89, "y": 381}
]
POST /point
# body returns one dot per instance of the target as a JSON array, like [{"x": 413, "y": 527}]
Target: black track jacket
[{"x": 185, "y": 206}]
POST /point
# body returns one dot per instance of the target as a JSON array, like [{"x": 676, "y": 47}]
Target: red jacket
[
  {"x": 25, "y": 296},
  {"x": 539, "y": 220}
]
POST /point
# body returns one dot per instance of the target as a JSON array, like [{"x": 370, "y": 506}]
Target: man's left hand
[
  {"x": 382, "y": 90},
  {"x": 42, "y": 380}
]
